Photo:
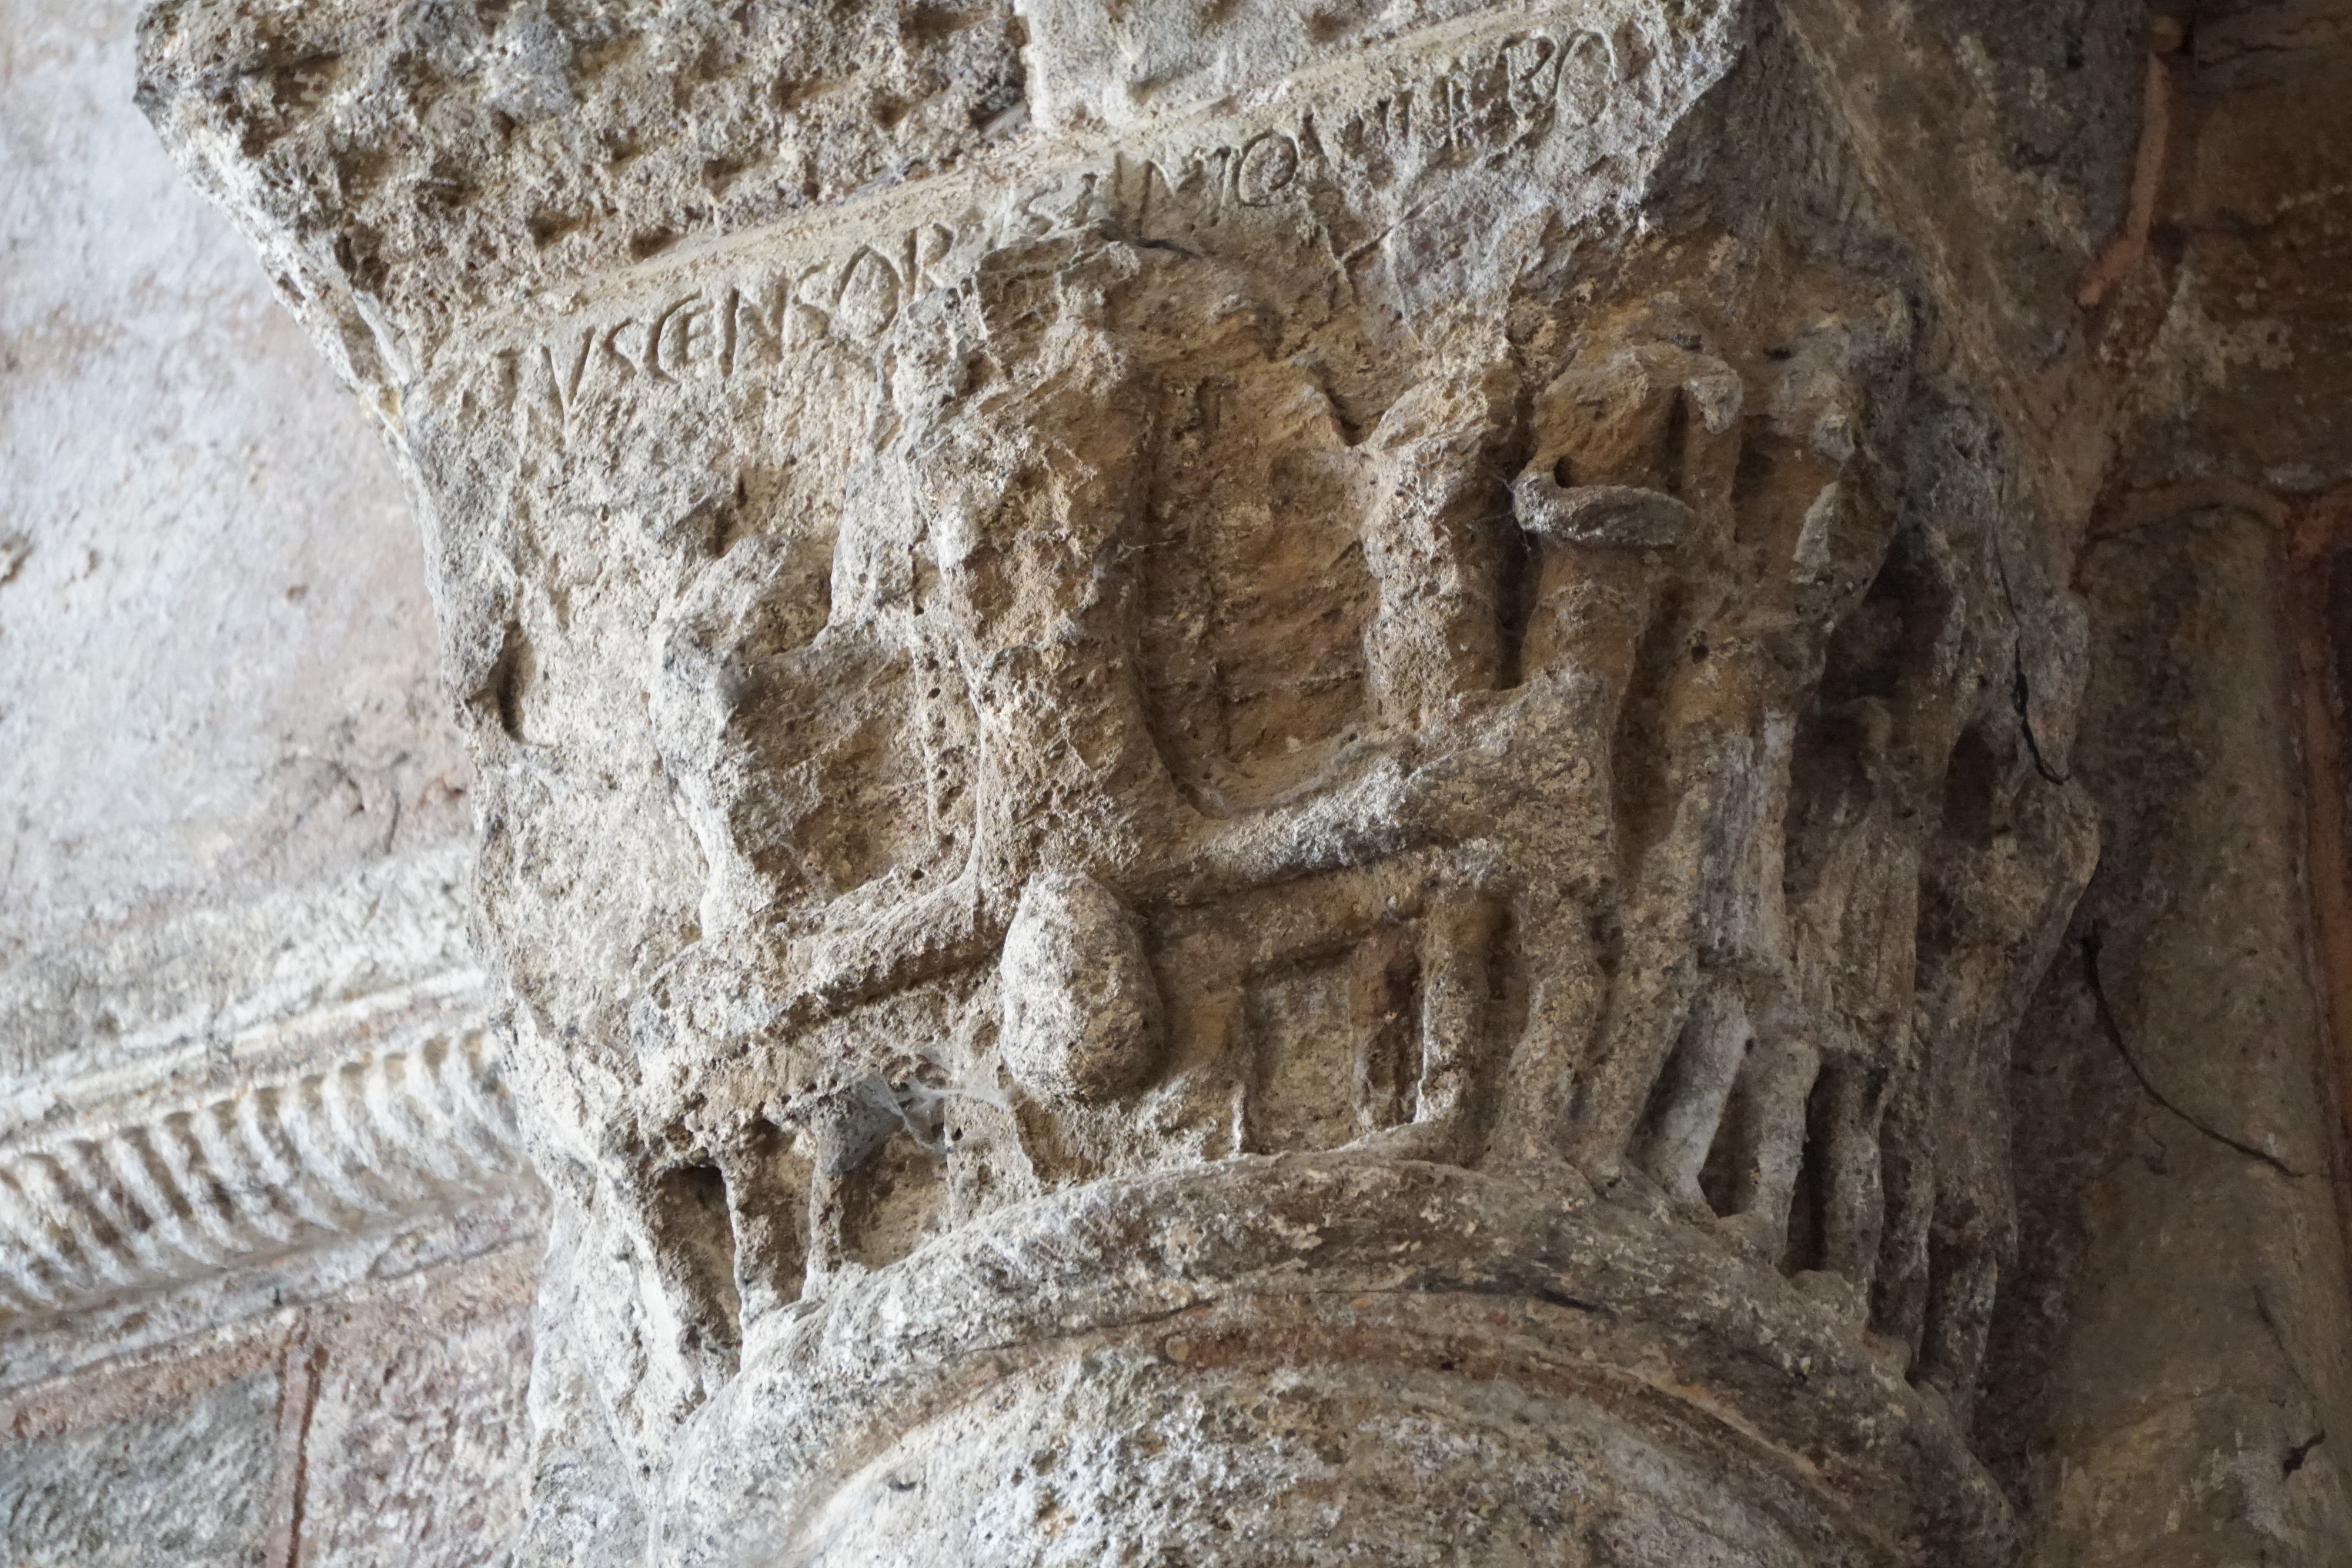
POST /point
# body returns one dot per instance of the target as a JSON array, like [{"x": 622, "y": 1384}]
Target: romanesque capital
[{"x": 1257, "y": 785}]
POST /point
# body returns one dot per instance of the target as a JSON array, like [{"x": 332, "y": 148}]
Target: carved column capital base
[{"x": 1324, "y": 1358}]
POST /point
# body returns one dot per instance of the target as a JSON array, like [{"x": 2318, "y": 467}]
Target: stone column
[{"x": 1256, "y": 785}]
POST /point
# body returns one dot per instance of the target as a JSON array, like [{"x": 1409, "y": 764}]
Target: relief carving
[
  {"x": 1175, "y": 798},
  {"x": 1581, "y": 775},
  {"x": 228, "y": 1182}
]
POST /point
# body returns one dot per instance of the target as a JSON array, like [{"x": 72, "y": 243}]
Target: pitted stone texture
[
  {"x": 1412, "y": 1466},
  {"x": 1468, "y": 610},
  {"x": 90, "y": 1499},
  {"x": 1095, "y": 65},
  {"x": 418, "y": 1447},
  {"x": 1082, "y": 1013},
  {"x": 425, "y": 160},
  {"x": 1138, "y": 1308}
]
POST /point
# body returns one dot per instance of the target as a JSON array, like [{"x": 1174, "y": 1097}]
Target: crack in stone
[{"x": 2091, "y": 944}]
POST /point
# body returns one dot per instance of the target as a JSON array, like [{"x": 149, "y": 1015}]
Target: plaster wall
[{"x": 233, "y": 829}]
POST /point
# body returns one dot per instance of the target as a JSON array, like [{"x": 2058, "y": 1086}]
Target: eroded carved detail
[
  {"x": 228, "y": 1182},
  {"x": 1101, "y": 733},
  {"x": 1587, "y": 780}
]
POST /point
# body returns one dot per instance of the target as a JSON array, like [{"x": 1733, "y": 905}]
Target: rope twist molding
[{"x": 237, "y": 1178}]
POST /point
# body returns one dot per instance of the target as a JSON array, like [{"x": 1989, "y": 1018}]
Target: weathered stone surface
[
  {"x": 234, "y": 848},
  {"x": 1312, "y": 579},
  {"x": 2171, "y": 1069},
  {"x": 1140, "y": 1309},
  {"x": 1083, "y": 1018},
  {"x": 417, "y": 1446},
  {"x": 91, "y": 1497},
  {"x": 231, "y": 1181},
  {"x": 366, "y": 133},
  {"x": 2176, "y": 1325},
  {"x": 1270, "y": 785}
]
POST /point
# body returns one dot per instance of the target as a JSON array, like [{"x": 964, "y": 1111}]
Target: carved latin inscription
[{"x": 1338, "y": 171}]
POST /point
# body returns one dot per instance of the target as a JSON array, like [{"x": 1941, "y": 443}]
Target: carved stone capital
[{"x": 1293, "y": 808}]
